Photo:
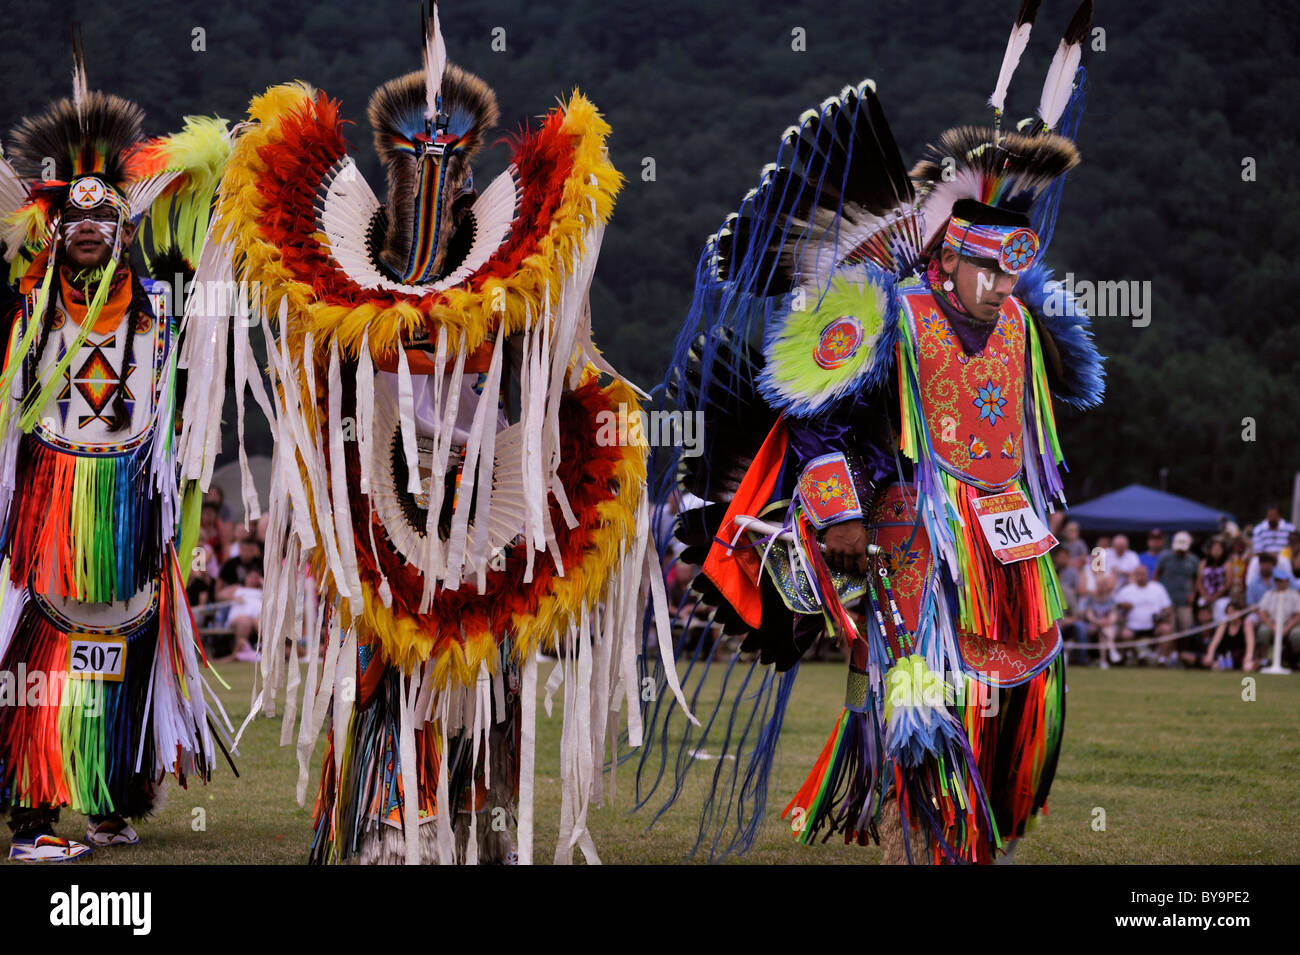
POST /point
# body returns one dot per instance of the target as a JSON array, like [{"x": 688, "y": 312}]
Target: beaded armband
[{"x": 827, "y": 491}]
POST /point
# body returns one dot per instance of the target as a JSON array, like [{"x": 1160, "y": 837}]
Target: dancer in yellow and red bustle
[
  {"x": 900, "y": 461},
  {"x": 437, "y": 399},
  {"x": 103, "y": 693}
]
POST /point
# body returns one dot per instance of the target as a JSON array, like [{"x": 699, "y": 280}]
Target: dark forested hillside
[{"x": 1180, "y": 96}]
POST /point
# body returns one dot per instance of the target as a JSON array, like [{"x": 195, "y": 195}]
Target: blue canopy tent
[{"x": 1139, "y": 508}]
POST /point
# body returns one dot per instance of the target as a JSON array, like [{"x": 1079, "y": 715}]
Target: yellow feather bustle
[
  {"x": 591, "y": 186},
  {"x": 407, "y": 645},
  {"x": 514, "y": 302}
]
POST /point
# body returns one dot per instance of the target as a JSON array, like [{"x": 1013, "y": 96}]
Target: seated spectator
[
  {"x": 1147, "y": 611},
  {"x": 1155, "y": 550},
  {"x": 1191, "y": 648},
  {"x": 1121, "y": 561},
  {"x": 1101, "y": 616},
  {"x": 1279, "y": 618},
  {"x": 1233, "y": 645},
  {"x": 1220, "y": 611},
  {"x": 201, "y": 588},
  {"x": 217, "y": 496},
  {"x": 1260, "y": 580},
  {"x": 1291, "y": 555},
  {"x": 1066, "y": 572},
  {"x": 1087, "y": 579},
  {"x": 1073, "y": 629},
  {"x": 240, "y": 582},
  {"x": 211, "y": 536},
  {"x": 225, "y": 523}
]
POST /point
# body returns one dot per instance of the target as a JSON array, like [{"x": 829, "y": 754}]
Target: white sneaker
[
  {"x": 1114, "y": 656},
  {"x": 1103, "y": 665},
  {"x": 107, "y": 834}
]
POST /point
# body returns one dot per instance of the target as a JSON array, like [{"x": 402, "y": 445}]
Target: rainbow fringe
[
  {"x": 75, "y": 743},
  {"x": 100, "y": 746},
  {"x": 86, "y": 527}
]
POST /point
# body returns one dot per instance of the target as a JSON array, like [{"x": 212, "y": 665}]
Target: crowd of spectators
[{"x": 1218, "y": 603}]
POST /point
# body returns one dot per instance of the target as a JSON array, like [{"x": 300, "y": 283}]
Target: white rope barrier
[{"x": 1147, "y": 641}]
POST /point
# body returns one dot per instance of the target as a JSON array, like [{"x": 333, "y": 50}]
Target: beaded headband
[{"x": 1013, "y": 247}]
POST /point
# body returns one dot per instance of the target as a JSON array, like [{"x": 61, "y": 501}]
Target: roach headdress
[
  {"x": 77, "y": 150},
  {"x": 999, "y": 171},
  {"x": 427, "y": 126},
  {"x": 90, "y": 149}
]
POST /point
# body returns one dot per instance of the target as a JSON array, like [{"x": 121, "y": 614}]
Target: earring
[{"x": 947, "y": 285}]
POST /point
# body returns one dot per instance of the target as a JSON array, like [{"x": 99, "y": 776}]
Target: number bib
[
  {"x": 100, "y": 658},
  {"x": 1011, "y": 527}
]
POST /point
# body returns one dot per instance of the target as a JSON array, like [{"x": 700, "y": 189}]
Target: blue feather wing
[{"x": 1080, "y": 380}]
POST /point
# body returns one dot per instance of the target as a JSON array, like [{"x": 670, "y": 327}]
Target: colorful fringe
[
  {"x": 86, "y": 527},
  {"x": 936, "y": 780},
  {"x": 1017, "y": 749},
  {"x": 996, "y": 598},
  {"x": 360, "y": 804},
  {"x": 979, "y": 781},
  {"x": 845, "y": 790},
  {"x": 97, "y": 745}
]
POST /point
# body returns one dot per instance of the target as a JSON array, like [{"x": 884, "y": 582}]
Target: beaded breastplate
[{"x": 973, "y": 404}]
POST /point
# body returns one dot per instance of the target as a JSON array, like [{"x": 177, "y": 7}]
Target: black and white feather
[
  {"x": 1060, "y": 75},
  {"x": 838, "y": 192}
]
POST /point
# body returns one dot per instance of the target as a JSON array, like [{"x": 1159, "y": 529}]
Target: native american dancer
[
  {"x": 886, "y": 450},
  {"x": 103, "y": 693},
  {"x": 437, "y": 401}
]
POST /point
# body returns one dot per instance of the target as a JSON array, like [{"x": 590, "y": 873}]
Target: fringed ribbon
[
  {"x": 86, "y": 527},
  {"x": 100, "y": 745},
  {"x": 996, "y": 599},
  {"x": 35, "y": 401}
]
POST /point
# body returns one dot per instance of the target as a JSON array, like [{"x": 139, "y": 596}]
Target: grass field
[{"x": 1185, "y": 769}]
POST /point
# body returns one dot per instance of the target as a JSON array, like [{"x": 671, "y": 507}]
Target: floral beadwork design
[
  {"x": 990, "y": 401},
  {"x": 830, "y": 489}
]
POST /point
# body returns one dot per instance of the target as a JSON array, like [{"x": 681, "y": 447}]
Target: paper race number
[
  {"x": 101, "y": 658},
  {"x": 1011, "y": 527}
]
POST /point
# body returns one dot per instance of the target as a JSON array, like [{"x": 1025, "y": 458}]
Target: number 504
[{"x": 1011, "y": 530}]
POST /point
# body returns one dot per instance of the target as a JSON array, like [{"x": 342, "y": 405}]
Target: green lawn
[{"x": 1184, "y": 769}]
